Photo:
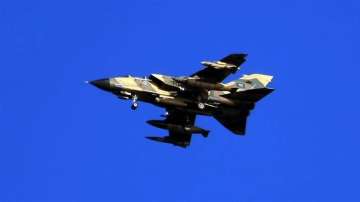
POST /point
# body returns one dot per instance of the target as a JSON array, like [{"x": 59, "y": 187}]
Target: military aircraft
[{"x": 201, "y": 93}]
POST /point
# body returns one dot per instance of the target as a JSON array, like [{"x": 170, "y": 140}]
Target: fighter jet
[{"x": 201, "y": 93}]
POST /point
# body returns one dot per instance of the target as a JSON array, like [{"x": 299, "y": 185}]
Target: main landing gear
[
  {"x": 202, "y": 99},
  {"x": 201, "y": 105}
]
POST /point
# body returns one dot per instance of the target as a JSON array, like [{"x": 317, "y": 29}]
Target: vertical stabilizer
[
  {"x": 251, "y": 81},
  {"x": 263, "y": 79}
]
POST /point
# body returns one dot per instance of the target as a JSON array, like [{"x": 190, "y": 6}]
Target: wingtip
[{"x": 244, "y": 55}]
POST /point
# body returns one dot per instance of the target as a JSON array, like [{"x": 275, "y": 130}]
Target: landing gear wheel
[
  {"x": 201, "y": 105},
  {"x": 134, "y": 105}
]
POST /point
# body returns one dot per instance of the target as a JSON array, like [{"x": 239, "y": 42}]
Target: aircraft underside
[{"x": 201, "y": 93}]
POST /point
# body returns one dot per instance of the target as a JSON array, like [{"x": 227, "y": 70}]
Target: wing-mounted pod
[
  {"x": 217, "y": 71},
  {"x": 163, "y": 124},
  {"x": 219, "y": 65},
  {"x": 170, "y": 140}
]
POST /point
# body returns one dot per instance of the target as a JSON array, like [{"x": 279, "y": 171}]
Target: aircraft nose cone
[{"x": 103, "y": 84}]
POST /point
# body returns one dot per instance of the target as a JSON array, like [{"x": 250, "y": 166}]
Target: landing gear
[
  {"x": 202, "y": 97},
  {"x": 165, "y": 115},
  {"x": 134, "y": 104}
]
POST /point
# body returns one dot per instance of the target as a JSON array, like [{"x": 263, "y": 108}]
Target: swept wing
[{"x": 216, "y": 72}]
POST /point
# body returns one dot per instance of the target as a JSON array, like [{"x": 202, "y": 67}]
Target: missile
[{"x": 182, "y": 129}]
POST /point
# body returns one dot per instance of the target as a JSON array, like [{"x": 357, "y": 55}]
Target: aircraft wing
[
  {"x": 216, "y": 72},
  {"x": 178, "y": 119}
]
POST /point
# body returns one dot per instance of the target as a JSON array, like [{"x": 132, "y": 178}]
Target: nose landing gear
[{"x": 134, "y": 104}]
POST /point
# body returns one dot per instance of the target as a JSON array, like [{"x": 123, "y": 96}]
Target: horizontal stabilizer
[{"x": 235, "y": 121}]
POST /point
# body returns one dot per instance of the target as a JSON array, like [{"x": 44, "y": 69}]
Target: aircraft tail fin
[
  {"x": 262, "y": 80},
  {"x": 251, "y": 81}
]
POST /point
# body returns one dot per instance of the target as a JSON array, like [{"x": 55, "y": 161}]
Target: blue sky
[{"x": 63, "y": 140}]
